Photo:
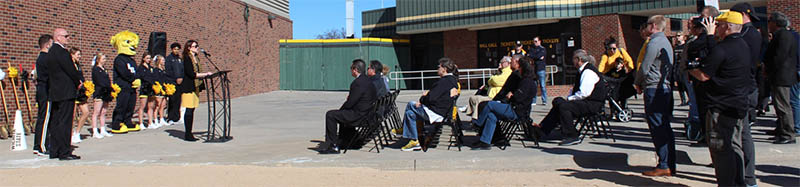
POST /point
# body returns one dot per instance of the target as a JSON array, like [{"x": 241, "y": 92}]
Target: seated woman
[
  {"x": 433, "y": 105},
  {"x": 496, "y": 82},
  {"x": 514, "y": 104}
]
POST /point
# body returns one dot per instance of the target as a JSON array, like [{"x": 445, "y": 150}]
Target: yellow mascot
[{"x": 125, "y": 43}]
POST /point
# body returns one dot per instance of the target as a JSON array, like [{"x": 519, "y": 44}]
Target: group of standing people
[{"x": 62, "y": 91}]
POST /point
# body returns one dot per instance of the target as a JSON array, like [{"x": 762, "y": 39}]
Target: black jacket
[
  {"x": 41, "y": 77},
  {"x": 146, "y": 76},
  {"x": 63, "y": 79},
  {"x": 511, "y": 84},
  {"x": 380, "y": 86},
  {"x": 189, "y": 76},
  {"x": 537, "y": 53},
  {"x": 102, "y": 84},
  {"x": 781, "y": 58},
  {"x": 124, "y": 72},
  {"x": 728, "y": 67},
  {"x": 173, "y": 67},
  {"x": 438, "y": 98},
  {"x": 523, "y": 96},
  {"x": 362, "y": 96}
]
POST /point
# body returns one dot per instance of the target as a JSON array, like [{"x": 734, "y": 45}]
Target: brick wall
[
  {"x": 250, "y": 48},
  {"x": 789, "y": 7},
  {"x": 594, "y": 31},
  {"x": 462, "y": 47}
]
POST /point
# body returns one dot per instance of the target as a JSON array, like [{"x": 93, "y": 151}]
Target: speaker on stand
[{"x": 157, "y": 44}]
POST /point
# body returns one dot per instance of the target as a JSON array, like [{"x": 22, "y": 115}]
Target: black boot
[{"x": 188, "y": 122}]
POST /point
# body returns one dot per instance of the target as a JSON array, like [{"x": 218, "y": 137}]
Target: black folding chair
[
  {"x": 595, "y": 123},
  {"x": 456, "y": 134},
  {"x": 368, "y": 129},
  {"x": 427, "y": 137}
]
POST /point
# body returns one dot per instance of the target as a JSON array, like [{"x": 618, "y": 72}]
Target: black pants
[
  {"x": 188, "y": 122},
  {"x": 345, "y": 118},
  {"x": 564, "y": 112},
  {"x": 174, "y": 107},
  {"x": 60, "y": 127},
  {"x": 41, "y": 142},
  {"x": 123, "y": 112}
]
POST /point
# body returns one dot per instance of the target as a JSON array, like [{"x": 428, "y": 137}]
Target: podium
[{"x": 219, "y": 107}]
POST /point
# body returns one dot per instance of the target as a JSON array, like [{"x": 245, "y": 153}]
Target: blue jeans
[
  {"x": 542, "y": 83},
  {"x": 794, "y": 101},
  {"x": 489, "y": 116},
  {"x": 658, "y": 107},
  {"x": 694, "y": 114},
  {"x": 413, "y": 113}
]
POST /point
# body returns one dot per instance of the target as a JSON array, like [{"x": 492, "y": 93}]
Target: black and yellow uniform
[
  {"x": 82, "y": 97},
  {"x": 160, "y": 77},
  {"x": 102, "y": 84},
  {"x": 124, "y": 76},
  {"x": 41, "y": 142},
  {"x": 63, "y": 81},
  {"x": 145, "y": 73}
]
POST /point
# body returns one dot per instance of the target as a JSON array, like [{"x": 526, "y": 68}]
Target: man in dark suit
[
  {"x": 63, "y": 84},
  {"x": 781, "y": 59},
  {"x": 358, "y": 105}
]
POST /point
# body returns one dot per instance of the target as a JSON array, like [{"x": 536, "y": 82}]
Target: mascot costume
[{"x": 126, "y": 43}]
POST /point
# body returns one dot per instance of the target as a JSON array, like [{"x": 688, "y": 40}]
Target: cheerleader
[
  {"x": 81, "y": 102},
  {"x": 102, "y": 96},
  {"x": 144, "y": 73},
  {"x": 161, "y": 101}
]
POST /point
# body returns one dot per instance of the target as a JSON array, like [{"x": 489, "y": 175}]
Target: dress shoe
[
  {"x": 784, "y": 141},
  {"x": 657, "y": 172},
  {"x": 190, "y": 138},
  {"x": 570, "y": 141},
  {"x": 481, "y": 146},
  {"x": 69, "y": 157},
  {"x": 327, "y": 149}
]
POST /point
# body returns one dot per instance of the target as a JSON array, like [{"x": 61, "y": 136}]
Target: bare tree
[{"x": 333, "y": 34}]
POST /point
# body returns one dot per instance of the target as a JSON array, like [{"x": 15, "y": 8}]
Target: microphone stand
[{"x": 212, "y": 62}]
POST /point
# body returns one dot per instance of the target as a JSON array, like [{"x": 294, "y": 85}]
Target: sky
[{"x": 312, "y": 17}]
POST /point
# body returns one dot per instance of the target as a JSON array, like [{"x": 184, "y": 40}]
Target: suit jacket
[
  {"x": 438, "y": 98},
  {"x": 361, "y": 97},
  {"x": 63, "y": 77},
  {"x": 781, "y": 58}
]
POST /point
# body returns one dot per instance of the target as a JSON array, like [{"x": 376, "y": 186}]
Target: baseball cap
[
  {"x": 731, "y": 17},
  {"x": 745, "y": 8},
  {"x": 519, "y": 43}
]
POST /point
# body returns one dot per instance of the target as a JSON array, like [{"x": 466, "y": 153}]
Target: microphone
[{"x": 204, "y": 52}]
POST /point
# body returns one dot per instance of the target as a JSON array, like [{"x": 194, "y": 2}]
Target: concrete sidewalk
[{"x": 276, "y": 129}]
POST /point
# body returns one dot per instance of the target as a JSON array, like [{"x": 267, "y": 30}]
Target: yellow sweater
[
  {"x": 496, "y": 82},
  {"x": 608, "y": 63}
]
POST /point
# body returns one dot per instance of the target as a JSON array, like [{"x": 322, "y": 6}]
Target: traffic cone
[{"x": 19, "y": 143}]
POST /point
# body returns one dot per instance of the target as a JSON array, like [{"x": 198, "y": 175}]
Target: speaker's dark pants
[
  {"x": 174, "y": 107},
  {"x": 123, "y": 112},
  {"x": 60, "y": 127}
]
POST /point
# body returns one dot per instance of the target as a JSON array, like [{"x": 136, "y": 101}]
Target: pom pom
[
  {"x": 13, "y": 72},
  {"x": 169, "y": 89},
  {"x": 157, "y": 88},
  {"x": 116, "y": 91},
  {"x": 89, "y": 85}
]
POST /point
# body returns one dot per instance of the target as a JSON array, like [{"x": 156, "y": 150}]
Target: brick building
[
  {"x": 476, "y": 34},
  {"x": 242, "y": 35}
]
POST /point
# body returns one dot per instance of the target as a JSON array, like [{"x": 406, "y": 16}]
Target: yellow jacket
[
  {"x": 641, "y": 54},
  {"x": 496, "y": 82},
  {"x": 608, "y": 63}
]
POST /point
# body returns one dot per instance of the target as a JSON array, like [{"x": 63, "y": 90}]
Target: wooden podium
[{"x": 219, "y": 106}]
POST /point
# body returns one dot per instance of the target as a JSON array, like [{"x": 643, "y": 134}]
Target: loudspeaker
[{"x": 157, "y": 44}]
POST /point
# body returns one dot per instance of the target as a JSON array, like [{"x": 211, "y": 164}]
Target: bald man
[{"x": 63, "y": 84}]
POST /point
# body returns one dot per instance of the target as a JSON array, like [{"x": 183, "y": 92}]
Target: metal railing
[{"x": 463, "y": 74}]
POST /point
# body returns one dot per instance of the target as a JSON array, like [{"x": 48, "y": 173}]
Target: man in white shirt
[{"x": 588, "y": 96}]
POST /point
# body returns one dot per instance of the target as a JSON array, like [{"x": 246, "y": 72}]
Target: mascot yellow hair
[{"x": 125, "y": 42}]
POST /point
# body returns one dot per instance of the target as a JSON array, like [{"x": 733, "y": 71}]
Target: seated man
[
  {"x": 587, "y": 97},
  {"x": 358, "y": 105},
  {"x": 496, "y": 83},
  {"x": 515, "y": 104},
  {"x": 434, "y": 104},
  {"x": 375, "y": 76}
]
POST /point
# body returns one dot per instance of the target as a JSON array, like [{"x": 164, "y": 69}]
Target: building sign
[{"x": 513, "y": 43}]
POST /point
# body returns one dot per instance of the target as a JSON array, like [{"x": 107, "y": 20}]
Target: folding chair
[
  {"x": 427, "y": 137},
  {"x": 367, "y": 129},
  {"x": 595, "y": 123}
]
